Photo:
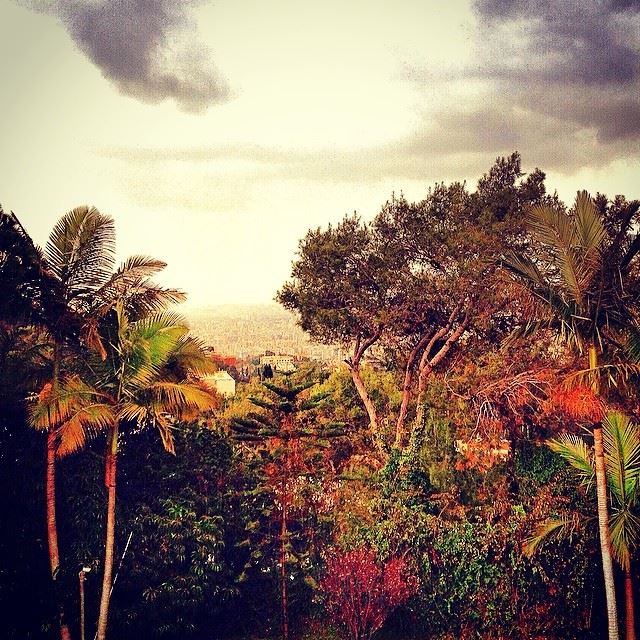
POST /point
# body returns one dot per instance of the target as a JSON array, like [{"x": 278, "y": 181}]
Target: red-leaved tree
[{"x": 361, "y": 593}]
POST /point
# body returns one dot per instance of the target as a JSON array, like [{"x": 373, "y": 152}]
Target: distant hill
[
  {"x": 237, "y": 311},
  {"x": 249, "y": 330}
]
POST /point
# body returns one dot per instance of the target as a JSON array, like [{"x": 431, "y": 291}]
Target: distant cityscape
[{"x": 248, "y": 331}]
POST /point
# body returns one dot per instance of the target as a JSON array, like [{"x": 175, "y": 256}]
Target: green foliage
[
  {"x": 477, "y": 583},
  {"x": 179, "y": 557}
]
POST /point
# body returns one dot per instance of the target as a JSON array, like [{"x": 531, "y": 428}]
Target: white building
[
  {"x": 278, "y": 363},
  {"x": 222, "y": 382}
]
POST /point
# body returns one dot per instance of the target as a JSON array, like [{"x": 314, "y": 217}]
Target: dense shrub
[{"x": 360, "y": 593}]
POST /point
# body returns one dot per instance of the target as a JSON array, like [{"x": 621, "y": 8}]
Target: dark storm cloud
[
  {"x": 584, "y": 41},
  {"x": 147, "y": 48},
  {"x": 571, "y": 67}
]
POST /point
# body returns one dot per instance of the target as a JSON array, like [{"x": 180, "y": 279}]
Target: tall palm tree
[
  {"x": 136, "y": 385},
  {"x": 78, "y": 261},
  {"x": 622, "y": 443},
  {"x": 622, "y": 462},
  {"x": 80, "y": 256},
  {"x": 579, "y": 279}
]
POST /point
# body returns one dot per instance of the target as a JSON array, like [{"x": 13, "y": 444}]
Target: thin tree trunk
[
  {"x": 401, "y": 424},
  {"x": 110, "y": 482},
  {"x": 427, "y": 365},
  {"x": 283, "y": 537},
  {"x": 603, "y": 514},
  {"x": 630, "y": 619},
  {"x": 364, "y": 396},
  {"x": 52, "y": 529},
  {"x": 50, "y": 488},
  {"x": 283, "y": 574},
  {"x": 353, "y": 363},
  {"x": 52, "y": 532},
  {"x": 605, "y": 534}
]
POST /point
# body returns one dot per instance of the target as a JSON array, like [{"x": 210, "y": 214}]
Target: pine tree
[{"x": 289, "y": 438}]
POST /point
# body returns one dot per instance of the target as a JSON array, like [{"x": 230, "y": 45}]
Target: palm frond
[
  {"x": 165, "y": 429},
  {"x": 614, "y": 374},
  {"x": 190, "y": 356},
  {"x": 534, "y": 280},
  {"x": 622, "y": 457},
  {"x": 588, "y": 223},
  {"x": 624, "y": 524},
  {"x": 149, "y": 344},
  {"x": 174, "y": 397},
  {"x": 577, "y": 453},
  {"x": 550, "y": 528},
  {"x": 86, "y": 422},
  {"x": 81, "y": 251},
  {"x": 149, "y": 299},
  {"x": 557, "y": 231},
  {"x": 552, "y": 227},
  {"x": 526, "y": 330},
  {"x": 130, "y": 277},
  {"x": 54, "y": 407},
  {"x": 631, "y": 343},
  {"x": 525, "y": 269}
]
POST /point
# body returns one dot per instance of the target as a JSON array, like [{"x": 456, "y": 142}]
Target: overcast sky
[{"x": 217, "y": 133}]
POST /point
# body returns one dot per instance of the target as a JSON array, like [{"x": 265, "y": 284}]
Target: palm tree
[
  {"x": 579, "y": 280},
  {"x": 622, "y": 462},
  {"x": 80, "y": 256},
  {"x": 136, "y": 386},
  {"x": 78, "y": 262}
]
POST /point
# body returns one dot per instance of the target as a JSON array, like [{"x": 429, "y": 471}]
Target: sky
[{"x": 217, "y": 133}]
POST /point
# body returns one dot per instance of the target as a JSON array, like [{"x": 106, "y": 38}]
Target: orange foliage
[
  {"x": 45, "y": 392},
  {"x": 579, "y": 403}
]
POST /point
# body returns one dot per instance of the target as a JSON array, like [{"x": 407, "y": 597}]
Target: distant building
[
  {"x": 281, "y": 363},
  {"x": 222, "y": 382}
]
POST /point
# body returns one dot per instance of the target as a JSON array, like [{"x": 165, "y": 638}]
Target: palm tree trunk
[
  {"x": 603, "y": 514},
  {"x": 110, "y": 482},
  {"x": 630, "y": 622},
  {"x": 50, "y": 487},
  {"x": 605, "y": 534},
  {"x": 52, "y": 529},
  {"x": 52, "y": 532}
]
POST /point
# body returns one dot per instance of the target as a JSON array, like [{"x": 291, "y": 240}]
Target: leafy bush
[{"x": 360, "y": 592}]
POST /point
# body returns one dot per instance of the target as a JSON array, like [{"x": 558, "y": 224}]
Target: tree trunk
[
  {"x": 359, "y": 349},
  {"x": 401, "y": 424},
  {"x": 110, "y": 482},
  {"x": 50, "y": 487},
  {"x": 630, "y": 619},
  {"x": 603, "y": 513},
  {"x": 401, "y": 431},
  {"x": 427, "y": 365},
  {"x": 283, "y": 537},
  {"x": 52, "y": 531},
  {"x": 364, "y": 396},
  {"x": 605, "y": 534},
  {"x": 283, "y": 575}
]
